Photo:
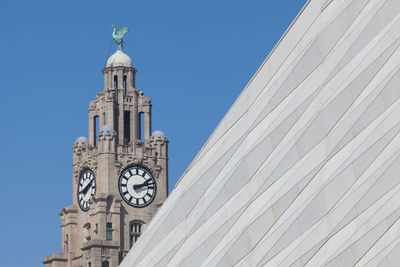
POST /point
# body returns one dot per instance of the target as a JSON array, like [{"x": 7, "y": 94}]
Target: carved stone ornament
[
  {"x": 118, "y": 167},
  {"x": 138, "y": 142},
  {"x": 110, "y": 95}
]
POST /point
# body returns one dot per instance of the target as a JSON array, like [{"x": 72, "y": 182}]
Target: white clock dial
[
  {"x": 86, "y": 189},
  {"x": 137, "y": 186}
]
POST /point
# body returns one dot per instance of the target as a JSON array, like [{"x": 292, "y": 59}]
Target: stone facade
[{"x": 102, "y": 235}]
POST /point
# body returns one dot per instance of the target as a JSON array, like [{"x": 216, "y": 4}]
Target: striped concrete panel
[{"x": 304, "y": 169}]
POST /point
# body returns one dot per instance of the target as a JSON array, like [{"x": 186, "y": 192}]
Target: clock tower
[{"x": 120, "y": 174}]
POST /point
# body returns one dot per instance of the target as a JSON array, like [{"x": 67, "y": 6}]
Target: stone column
[
  {"x": 91, "y": 129},
  {"x": 110, "y": 78},
  {"x": 101, "y": 120},
  {"x": 134, "y": 123},
  {"x": 120, "y": 118},
  {"x": 147, "y": 124},
  {"x": 129, "y": 81},
  {"x": 120, "y": 84},
  {"x": 105, "y": 79},
  {"x": 109, "y": 113}
]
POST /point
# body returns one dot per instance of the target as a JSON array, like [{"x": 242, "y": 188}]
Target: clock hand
[
  {"x": 136, "y": 186},
  {"x": 84, "y": 190}
]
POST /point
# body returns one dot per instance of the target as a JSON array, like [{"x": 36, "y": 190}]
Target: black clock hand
[
  {"x": 84, "y": 190},
  {"x": 136, "y": 186}
]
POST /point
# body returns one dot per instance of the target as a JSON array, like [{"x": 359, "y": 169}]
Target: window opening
[
  {"x": 109, "y": 231},
  {"x": 109, "y": 235},
  {"x": 141, "y": 126},
  {"x": 115, "y": 81},
  {"x": 135, "y": 229},
  {"x": 105, "y": 264},
  {"x": 124, "y": 84},
  {"x": 127, "y": 127}
]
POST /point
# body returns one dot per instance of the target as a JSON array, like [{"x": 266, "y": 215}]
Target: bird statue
[{"x": 118, "y": 34}]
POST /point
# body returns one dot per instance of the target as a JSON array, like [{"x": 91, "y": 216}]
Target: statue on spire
[{"x": 118, "y": 34}]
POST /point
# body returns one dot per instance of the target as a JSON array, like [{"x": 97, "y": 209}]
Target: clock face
[
  {"x": 86, "y": 189},
  {"x": 137, "y": 186}
]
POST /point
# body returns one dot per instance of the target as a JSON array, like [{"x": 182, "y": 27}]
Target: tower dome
[
  {"x": 158, "y": 136},
  {"x": 107, "y": 130},
  {"x": 119, "y": 58},
  {"x": 81, "y": 141}
]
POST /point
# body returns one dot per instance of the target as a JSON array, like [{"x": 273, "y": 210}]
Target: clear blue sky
[{"x": 194, "y": 58}]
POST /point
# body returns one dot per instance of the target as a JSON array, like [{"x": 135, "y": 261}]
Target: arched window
[
  {"x": 105, "y": 264},
  {"x": 135, "y": 230}
]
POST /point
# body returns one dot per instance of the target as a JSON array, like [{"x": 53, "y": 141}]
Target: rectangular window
[
  {"x": 115, "y": 81},
  {"x": 109, "y": 235},
  {"x": 141, "y": 126},
  {"x": 127, "y": 127},
  {"x": 109, "y": 231},
  {"x": 124, "y": 84}
]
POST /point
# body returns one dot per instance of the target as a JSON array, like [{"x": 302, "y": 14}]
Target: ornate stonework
[{"x": 103, "y": 234}]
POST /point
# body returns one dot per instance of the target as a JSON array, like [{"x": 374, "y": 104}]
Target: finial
[{"x": 118, "y": 34}]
